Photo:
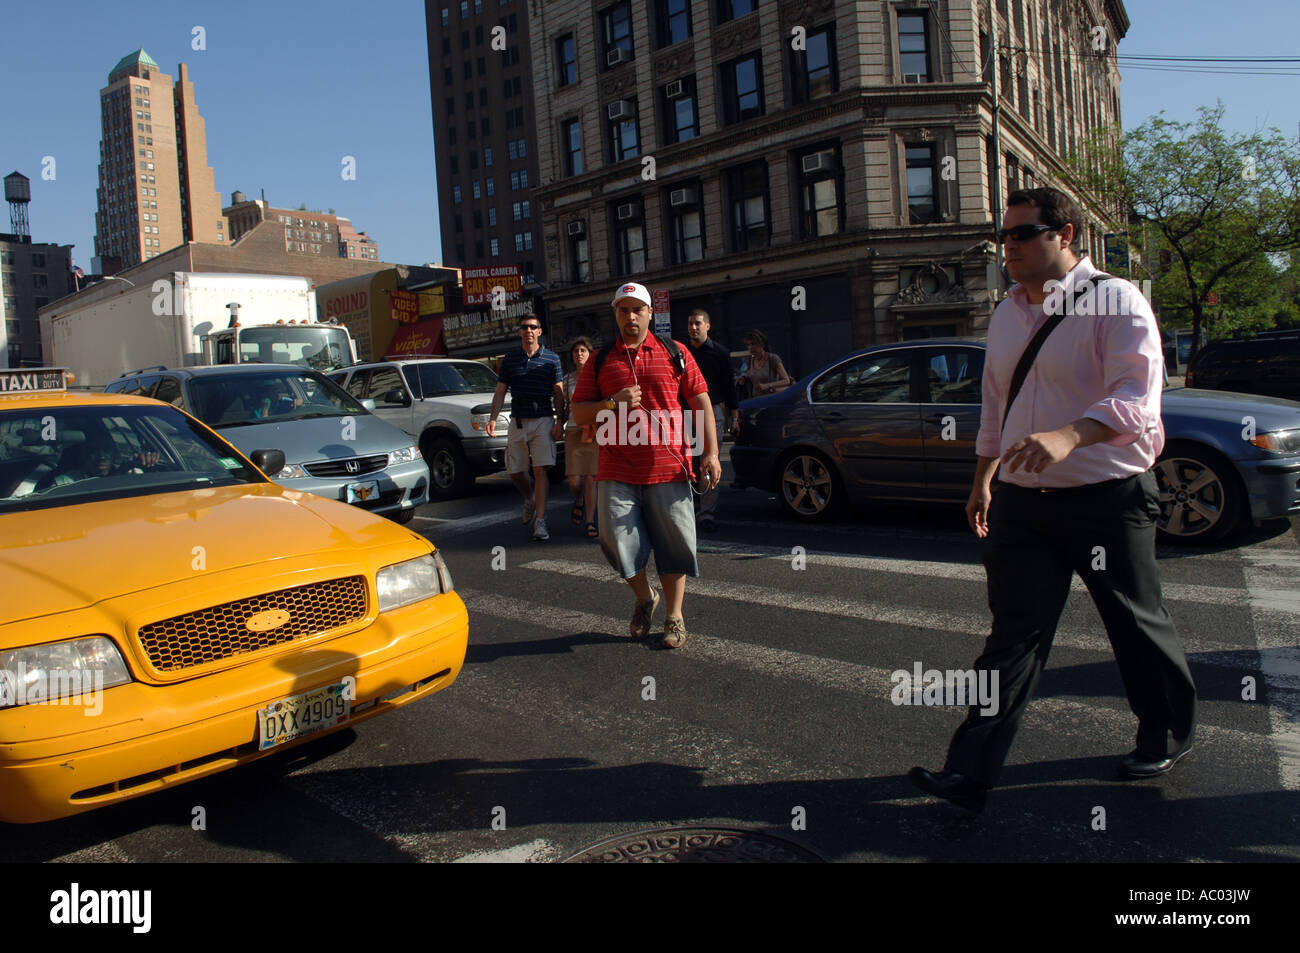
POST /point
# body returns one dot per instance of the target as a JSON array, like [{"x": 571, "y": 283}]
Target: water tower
[{"x": 18, "y": 193}]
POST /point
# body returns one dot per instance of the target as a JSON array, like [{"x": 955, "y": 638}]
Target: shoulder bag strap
[{"x": 1036, "y": 344}]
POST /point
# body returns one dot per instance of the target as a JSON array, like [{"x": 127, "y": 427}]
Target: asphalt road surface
[{"x": 776, "y": 716}]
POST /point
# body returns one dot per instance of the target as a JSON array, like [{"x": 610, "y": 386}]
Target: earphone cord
[{"x": 687, "y": 470}]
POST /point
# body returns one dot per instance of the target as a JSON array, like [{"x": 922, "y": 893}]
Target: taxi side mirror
[{"x": 269, "y": 462}]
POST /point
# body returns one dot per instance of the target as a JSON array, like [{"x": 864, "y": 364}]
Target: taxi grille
[
  {"x": 219, "y": 632},
  {"x": 339, "y": 468}
]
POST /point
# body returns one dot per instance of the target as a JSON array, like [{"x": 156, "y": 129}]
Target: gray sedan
[
  {"x": 333, "y": 445},
  {"x": 899, "y": 421}
]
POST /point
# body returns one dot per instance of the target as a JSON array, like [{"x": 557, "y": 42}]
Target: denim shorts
[{"x": 637, "y": 519}]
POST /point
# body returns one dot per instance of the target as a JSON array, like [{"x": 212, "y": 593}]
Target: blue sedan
[{"x": 899, "y": 421}]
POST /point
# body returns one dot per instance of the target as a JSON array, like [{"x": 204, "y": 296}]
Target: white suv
[{"x": 444, "y": 403}]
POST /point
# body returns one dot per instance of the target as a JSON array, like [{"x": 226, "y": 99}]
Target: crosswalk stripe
[
  {"x": 858, "y": 530},
  {"x": 959, "y": 623},
  {"x": 1212, "y": 595},
  {"x": 865, "y": 681},
  {"x": 1272, "y": 571}
]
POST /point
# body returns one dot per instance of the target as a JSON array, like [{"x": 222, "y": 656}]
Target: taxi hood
[{"x": 54, "y": 560}]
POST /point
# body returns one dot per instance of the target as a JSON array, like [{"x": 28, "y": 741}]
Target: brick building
[
  {"x": 481, "y": 82},
  {"x": 32, "y": 274},
  {"x": 308, "y": 232},
  {"x": 260, "y": 251},
  {"x": 156, "y": 188},
  {"x": 827, "y": 172}
]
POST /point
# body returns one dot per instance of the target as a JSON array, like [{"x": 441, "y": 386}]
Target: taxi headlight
[
  {"x": 403, "y": 456},
  {"x": 291, "y": 472},
  {"x": 411, "y": 581},
  {"x": 38, "y": 673}
]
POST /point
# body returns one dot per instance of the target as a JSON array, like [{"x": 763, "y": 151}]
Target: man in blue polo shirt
[{"x": 535, "y": 380}]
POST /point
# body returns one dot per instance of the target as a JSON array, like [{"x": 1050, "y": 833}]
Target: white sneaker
[
  {"x": 530, "y": 509},
  {"x": 539, "y": 529}
]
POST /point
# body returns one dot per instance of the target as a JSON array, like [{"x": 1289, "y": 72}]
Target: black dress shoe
[
  {"x": 950, "y": 786},
  {"x": 1134, "y": 767}
]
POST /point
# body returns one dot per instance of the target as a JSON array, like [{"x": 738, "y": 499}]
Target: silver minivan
[{"x": 333, "y": 445}]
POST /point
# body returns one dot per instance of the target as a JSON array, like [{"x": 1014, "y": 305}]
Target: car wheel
[
  {"x": 404, "y": 516},
  {"x": 808, "y": 486},
  {"x": 449, "y": 472},
  {"x": 1200, "y": 499}
]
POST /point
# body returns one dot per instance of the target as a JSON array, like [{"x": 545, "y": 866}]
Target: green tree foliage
[{"x": 1221, "y": 213}]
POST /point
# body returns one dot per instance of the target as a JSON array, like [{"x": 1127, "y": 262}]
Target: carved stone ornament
[
  {"x": 938, "y": 289},
  {"x": 614, "y": 85},
  {"x": 924, "y": 134},
  {"x": 739, "y": 39},
  {"x": 678, "y": 61},
  {"x": 804, "y": 12}
]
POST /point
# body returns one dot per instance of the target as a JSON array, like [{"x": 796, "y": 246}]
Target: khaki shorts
[
  {"x": 580, "y": 458},
  {"x": 532, "y": 439}
]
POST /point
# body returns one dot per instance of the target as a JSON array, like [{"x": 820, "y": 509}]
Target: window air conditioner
[
  {"x": 626, "y": 211},
  {"x": 675, "y": 90},
  {"x": 618, "y": 55},
  {"x": 620, "y": 110},
  {"x": 819, "y": 162},
  {"x": 913, "y": 78},
  {"x": 575, "y": 229},
  {"x": 681, "y": 197}
]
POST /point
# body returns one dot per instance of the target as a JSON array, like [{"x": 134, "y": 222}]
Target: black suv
[{"x": 1267, "y": 364}]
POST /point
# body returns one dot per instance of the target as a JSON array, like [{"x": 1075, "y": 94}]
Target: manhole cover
[{"x": 696, "y": 845}]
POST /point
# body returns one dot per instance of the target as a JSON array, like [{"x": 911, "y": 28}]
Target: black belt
[{"x": 1084, "y": 488}]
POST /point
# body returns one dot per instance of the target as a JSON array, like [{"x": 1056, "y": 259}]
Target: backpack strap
[{"x": 674, "y": 352}]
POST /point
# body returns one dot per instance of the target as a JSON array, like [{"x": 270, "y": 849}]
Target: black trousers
[{"x": 1037, "y": 540}]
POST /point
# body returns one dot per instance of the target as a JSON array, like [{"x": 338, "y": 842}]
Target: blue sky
[{"x": 287, "y": 88}]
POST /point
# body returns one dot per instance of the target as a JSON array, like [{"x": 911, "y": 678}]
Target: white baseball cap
[{"x": 632, "y": 290}]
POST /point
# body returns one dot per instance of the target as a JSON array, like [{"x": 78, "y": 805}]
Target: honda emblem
[{"x": 353, "y": 466}]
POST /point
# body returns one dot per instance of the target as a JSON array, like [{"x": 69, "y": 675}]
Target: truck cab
[{"x": 322, "y": 347}]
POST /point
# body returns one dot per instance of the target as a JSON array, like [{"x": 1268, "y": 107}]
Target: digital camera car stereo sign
[{"x": 26, "y": 382}]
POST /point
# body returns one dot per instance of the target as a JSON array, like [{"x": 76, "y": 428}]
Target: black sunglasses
[
  {"x": 530, "y": 327},
  {"x": 1023, "y": 233}
]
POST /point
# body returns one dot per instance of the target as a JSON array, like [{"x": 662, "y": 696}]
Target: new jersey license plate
[
  {"x": 300, "y": 715},
  {"x": 363, "y": 492}
]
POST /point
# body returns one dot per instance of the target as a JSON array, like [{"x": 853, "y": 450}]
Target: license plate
[
  {"x": 363, "y": 492},
  {"x": 301, "y": 715}
]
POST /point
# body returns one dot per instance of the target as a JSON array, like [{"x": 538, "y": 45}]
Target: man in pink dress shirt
[{"x": 1075, "y": 494}]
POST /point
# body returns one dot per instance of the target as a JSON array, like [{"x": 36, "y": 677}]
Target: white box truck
[{"x": 193, "y": 318}]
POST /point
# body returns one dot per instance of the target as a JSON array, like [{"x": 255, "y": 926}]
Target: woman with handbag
[
  {"x": 763, "y": 370},
  {"x": 580, "y": 450}
]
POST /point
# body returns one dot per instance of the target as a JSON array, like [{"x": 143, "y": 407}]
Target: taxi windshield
[
  {"x": 234, "y": 400},
  {"x": 69, "y": 455}
]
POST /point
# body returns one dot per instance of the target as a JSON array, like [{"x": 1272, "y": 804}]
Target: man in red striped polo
[{"x": 644, "y": 474}]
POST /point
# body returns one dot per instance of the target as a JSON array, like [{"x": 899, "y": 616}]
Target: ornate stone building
[{"x": 826, "y": 172}]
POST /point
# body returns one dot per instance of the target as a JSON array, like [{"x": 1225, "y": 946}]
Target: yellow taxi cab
[{"x": 169, "y": 612}]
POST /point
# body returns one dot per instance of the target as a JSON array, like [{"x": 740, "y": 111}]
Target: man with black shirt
[{"x": 714, "y": 362}]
